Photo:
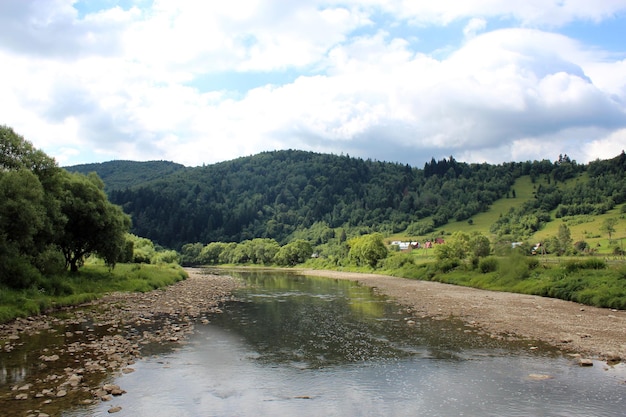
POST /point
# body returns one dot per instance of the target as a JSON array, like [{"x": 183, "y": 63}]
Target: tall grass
[{"x": 91, "y": 282}]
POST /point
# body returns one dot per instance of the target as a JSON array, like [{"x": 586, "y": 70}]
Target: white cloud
[
  {"x": 605, "y": 147},
  {"x": 120, "y": 83},
  {"x": 474, "y": 26}
]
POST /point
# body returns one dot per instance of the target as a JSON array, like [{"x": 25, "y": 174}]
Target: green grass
[
  {"x": 91, "y": 282},
  {"x": 586, "y": 280}
]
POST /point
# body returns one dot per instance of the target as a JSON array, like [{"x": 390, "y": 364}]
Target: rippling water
[{"x": 295, "y": 346}]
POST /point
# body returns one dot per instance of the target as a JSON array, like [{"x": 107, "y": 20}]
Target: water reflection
[{"x": 312, "y": 346}]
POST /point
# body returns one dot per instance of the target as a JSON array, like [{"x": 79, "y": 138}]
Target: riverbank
[
  {"x": 98, "y": 340},
  {"x": 572, "y": 327},
  {"x": 105, "y": 337}
]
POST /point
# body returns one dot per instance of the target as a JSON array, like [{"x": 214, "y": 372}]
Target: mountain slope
[
  {"x": 127, "y": 174},
  {"x": 279, "y": 194}
]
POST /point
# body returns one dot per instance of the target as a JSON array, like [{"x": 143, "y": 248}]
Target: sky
[{"x": 200, "y": 82}]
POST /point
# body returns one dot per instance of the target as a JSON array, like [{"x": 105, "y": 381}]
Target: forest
[
  {"x": 290, "y": 207},
  {"x": 282, "y": 195}
]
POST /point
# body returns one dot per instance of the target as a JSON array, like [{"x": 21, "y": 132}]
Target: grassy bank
[
  {"x": 587, "y": 280},
  {"x": 91, "y": 282}
]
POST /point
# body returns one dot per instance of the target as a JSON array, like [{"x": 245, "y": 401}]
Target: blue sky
[{"x": 404, "y": 81}]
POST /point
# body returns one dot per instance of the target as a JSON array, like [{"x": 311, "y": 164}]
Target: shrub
[
  {"x": 487, "y": 265},
  {"x": 397, "y": 261},
  {"x": 514, "y": 268},
  {"x": 591, "y": 263},
  {"x": 532, "y": 263},
  {"x": 17, "y": 272},
  {"x": 594, "y": 263},
  {"x": 448, "y": 265}
]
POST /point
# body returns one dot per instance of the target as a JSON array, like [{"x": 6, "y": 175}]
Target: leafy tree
[
  {"x": 293, "y": 253},
  {"x": 608, "y": 226},
  {"x": 457, "y": 247},
  {"x": 211, "y": 253},
  {"x": 22, "y": 210},
  {"x": 17, "y": 153},
  {"x": 190, "y": 252},
  {"x": 368, "y": 249},
  {"x": 94, "y": 225},
  {"x": 480, "y": 245},
  {"x": 564, "y": 238},
  {"x": 143, "y": 249}
]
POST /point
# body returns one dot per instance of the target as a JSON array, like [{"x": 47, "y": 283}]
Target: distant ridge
[{"x": 122, "y": 174}]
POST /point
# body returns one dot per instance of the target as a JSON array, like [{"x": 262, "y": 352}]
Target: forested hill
[
  {"x": 124, "y": 174},
  {"x": 274, "y": 194}
]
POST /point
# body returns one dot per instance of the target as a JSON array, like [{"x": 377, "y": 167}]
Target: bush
[
  {"x": 448, "y": 265},
  {"x": 532, "y": 263},
  {"x": 591, "y": 263},
  {"x": 17, "y": 272},
  {"x": 514, "y": 268},
  {"x": 397, "y": 261},
  {"x": 487, "y": 265},
  {"x": 50, "y": 262},
  {"x": 55, "y": 286}
]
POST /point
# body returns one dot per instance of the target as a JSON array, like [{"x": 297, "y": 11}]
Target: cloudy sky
[{"x": 198, "y": 82}]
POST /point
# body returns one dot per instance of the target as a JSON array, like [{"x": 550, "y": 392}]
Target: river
[{"x": 301, "y": 346}]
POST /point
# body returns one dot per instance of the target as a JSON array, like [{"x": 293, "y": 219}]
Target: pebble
[{"x": 103, "y": 337}]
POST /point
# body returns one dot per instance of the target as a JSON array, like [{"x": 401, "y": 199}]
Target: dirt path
[{"x": 598, "y": 332}]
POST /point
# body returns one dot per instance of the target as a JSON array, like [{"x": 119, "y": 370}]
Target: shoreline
[
  {"x": 115, "y": 329},
  {"x": 568, "y": 326},
  {"x": 102, "y": 339}
]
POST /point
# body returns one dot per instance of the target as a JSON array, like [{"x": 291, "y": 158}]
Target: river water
[{"x": 296, "y": 346}]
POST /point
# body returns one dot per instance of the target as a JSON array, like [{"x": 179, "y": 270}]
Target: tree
[
  {"x": 190, "y": 252},
  {"x": 22, "y": 210},
  {"x": 94, "y": 225},
  {"x": 608, "y": 226},
  {"x": 293, "y": 253},
  {"x": 367, "y": 249},
  {"x": 565, "y": 238},
  {"x": 457, "y": 247},
  {"x": 210, "y": 254},
  {"x": 480, "y": 245}
]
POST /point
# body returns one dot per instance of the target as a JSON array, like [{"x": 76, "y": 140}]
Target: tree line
[{"x": 279, "y": 194}]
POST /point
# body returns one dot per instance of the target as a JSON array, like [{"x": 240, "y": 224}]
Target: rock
[
  {"x": 540, "y": 377},
  {"x": 74, "y": 380},
  {"x": 109, "y": 388},
  {"x": 21, "y": 396},
  {"x": 585, "y": 362},
  {"x": 115, "y": 409},
  {"x": 61, "y": 393},
  {"x": 612, "y": 358}
]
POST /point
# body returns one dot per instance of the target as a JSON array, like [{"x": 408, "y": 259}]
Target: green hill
[
  {"x": 127, "y": 174},
  {"x": 288, "y": 194}
]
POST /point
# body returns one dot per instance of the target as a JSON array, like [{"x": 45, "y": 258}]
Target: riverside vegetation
[
  {"x": 61, "y": 239},
  {"x": 288, "y": 208}
]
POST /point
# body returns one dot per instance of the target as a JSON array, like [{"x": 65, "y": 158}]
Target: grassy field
[
  {"x": 598, "y": 280},
  {"x": 91, "y": 282},
  {"x": 583, "y": 228}
]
